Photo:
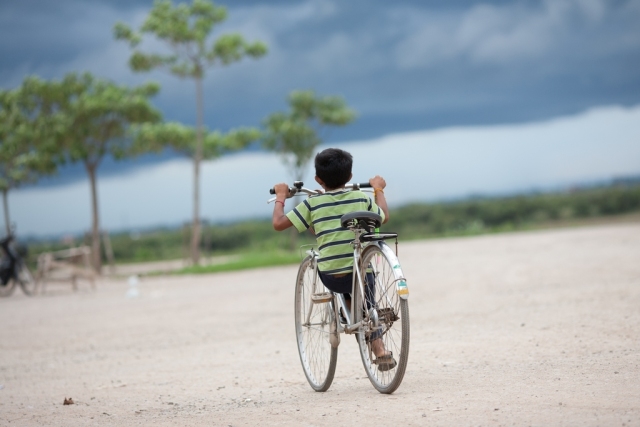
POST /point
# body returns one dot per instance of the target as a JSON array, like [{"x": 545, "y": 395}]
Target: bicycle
[
  {"x": 13, "y": 269},
  {"x": 385, "y": 314}
]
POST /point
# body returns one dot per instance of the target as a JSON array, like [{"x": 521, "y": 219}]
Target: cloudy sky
[{"x": 408, "y": 67}]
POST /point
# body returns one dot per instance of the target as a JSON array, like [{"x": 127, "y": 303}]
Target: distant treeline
[
  {"x": 510, "y": 213},
  {"x": 415, "y": 221}
]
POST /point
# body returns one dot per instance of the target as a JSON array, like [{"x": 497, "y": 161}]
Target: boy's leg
[
  {"x": 344, "y": 311},
  {"x": 340, "y": 284},
  {"x": 347, "y": 300},
  {"x": 377, "y": 345}
]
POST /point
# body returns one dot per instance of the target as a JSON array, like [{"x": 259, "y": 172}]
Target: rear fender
[{"x": 401, "y": 283}]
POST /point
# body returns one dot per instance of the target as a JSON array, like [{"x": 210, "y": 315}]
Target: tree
[
  {"x": 94, "y": 117},
  {"x": 186, "y": 30},
  {"x": 24, "y": 155},
  {"x": 181, "y": 138},
  {"x": 296, "y": 134}
]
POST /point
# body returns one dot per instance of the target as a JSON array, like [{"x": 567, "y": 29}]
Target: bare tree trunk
[
  {"x": 108, "y": 251},
  {"x": 95, "y": 221},
  {"x": 5, "y": 203},
  {"x": 195, "y": 236}
]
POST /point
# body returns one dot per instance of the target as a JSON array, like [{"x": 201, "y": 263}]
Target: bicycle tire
[
  {"x": 317, "y": 356},
  {"x": 393, "y": 325},
  {"x": 27, "y": 282},
  {"x": 8, "y": 288}
]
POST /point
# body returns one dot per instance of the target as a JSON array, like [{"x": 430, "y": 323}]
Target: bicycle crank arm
[{"x": 349, "y": 329}]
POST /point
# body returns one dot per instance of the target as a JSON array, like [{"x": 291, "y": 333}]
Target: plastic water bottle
[{"x": 133, "y": 291}]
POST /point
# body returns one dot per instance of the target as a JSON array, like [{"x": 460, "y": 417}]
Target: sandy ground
[{"x": 539, "y": 328}]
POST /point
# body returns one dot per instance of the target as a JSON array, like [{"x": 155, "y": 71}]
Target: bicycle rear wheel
[
  {"x": 27, "y": 282},
  {"x": 315, "y": 322},
  {"x": 388, "y": 319}
]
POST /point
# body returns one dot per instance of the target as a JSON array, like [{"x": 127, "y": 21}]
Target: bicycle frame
[{"x": 358, "y": 283}]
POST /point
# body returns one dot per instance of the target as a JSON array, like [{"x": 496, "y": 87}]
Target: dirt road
[{"x": 539, "y": 328}]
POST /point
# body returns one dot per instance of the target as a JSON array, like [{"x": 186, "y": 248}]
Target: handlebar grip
[
  {"x": 292, "y": 190},
  {"x": 365, "y": 185}
]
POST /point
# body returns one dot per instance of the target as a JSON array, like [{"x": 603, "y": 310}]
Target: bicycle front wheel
[
  {"x": 315, "y": 322},
  {"x": 387, "y": 322},
  {"x": 27, "y": 282}
]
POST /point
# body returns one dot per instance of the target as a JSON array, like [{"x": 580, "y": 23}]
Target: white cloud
[
  {"x": 454, "y": 162},
  {"x": 488, "y": 34},
  {"x": 428, "y": 165}
]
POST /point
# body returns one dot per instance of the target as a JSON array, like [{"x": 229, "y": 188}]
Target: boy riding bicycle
[{"x": 321, "y": 214}]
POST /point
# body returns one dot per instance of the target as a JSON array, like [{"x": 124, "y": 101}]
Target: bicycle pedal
[
  {"x": 322, "y": 298},
  {"x": 383, "y": 359}
]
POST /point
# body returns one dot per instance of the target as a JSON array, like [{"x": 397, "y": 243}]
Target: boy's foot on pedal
[{"x": 384, "y": 358}]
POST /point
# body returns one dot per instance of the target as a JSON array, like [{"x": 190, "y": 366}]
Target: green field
[
  {"x": 256, "y": 244},
  {"x": 245, "y": 261}
]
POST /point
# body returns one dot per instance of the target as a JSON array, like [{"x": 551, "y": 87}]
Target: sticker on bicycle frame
[
  {"x": 395, "y": 267},
  {"x": 402, "y": 289}
]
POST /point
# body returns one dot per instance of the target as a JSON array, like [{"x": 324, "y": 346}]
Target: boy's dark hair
[{"x": 333, "y": 167}]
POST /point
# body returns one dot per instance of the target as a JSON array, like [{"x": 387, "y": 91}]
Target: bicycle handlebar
[{"x": 298, "y": 188}]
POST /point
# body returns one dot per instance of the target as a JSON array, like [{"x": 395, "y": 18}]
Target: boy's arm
[
  {"x": 378, "y": 183},
  {"x": 280, "y": 220}
]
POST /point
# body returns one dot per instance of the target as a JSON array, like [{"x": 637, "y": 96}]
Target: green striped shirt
[{"x": 323, "y": 213}]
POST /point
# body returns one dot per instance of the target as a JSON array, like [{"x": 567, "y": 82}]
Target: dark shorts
[{"x": 342, "y": 285}]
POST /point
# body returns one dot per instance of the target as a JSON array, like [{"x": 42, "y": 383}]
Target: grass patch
[{"x": 246, "y": 261}]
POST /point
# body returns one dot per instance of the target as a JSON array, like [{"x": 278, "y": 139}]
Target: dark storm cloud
[
  {"x": 404, "y": 65},
  {"x": 410, "y": 66}
]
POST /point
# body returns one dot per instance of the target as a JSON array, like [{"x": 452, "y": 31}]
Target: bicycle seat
[{"x": 367, "y": 220}]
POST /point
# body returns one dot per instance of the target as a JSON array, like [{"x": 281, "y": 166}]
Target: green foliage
[
  {"x": 166, "y": 244},
  {"x": 27, "y": 149},
  {"x": 185, "y": 29},
  {"x": 181, "y": 138},
  {"x": 153, "y": 246},
  {"x": 91, "y": 118},
  {"x": 296, "y": 134},
  {"x": 24, "y": 138},
  {"x": 244, "y": 262},
  {"x": 511, "y": 213},
  {"x": 95, "y": 116}
]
